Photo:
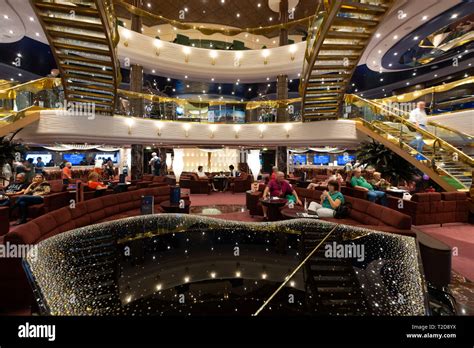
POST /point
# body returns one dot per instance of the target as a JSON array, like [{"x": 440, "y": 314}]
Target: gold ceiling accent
[
  {"x": 209, "y": 30},
  {"x": 407, "y": 97}
]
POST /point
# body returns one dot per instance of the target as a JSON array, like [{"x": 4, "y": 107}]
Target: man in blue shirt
[{"x": 39, "y": 166}]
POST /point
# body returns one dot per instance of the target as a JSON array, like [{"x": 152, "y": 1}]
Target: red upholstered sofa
[
  {"x": 194, "y": 183},
  {"x": 363, "y": 213},
  {"x": 241, "y": 183},
  {"x": 434, "y": 207},
  {"x": 15, "y": 291}
]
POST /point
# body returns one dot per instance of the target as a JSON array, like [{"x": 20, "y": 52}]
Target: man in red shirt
[
  {"x": 66, "y": 174},
  {"x": 279, "y": 188}
]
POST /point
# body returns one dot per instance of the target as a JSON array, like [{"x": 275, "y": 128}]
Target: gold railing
[
  {"x": 292, "y": 274},
  {"x": 319, "y": 29},
  {"x": 33, "y": 86}
]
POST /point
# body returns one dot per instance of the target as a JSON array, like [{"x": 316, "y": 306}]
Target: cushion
[
  {"x": 454, "y": 196},
  {"x": 27, "y": 233}
]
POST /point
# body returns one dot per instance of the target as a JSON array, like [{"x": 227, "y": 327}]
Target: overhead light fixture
[
  {"x": 238, "y": 15},
  {"x": 236, "y": 130},
  {"x": 159, "y": 126},
  {"x": 212, "y": 128},
  {"x": 424, "y": 18},
  {"x": 292, "y": 50},
  {"x": 415, "y": 38},
  {"x": 378, "y": 35},
  {"x": 213, "y": 55},
  {"x": 454, "y": 16},
  {"x": 186, "y": 127},
  {"x": 288, "y": 127},
  {"x": 5, "y": 16},
  {"x": 187, "y": 52},
  {"x": 32, "y": 19},
  {"x": 265, "y": 54},
  {"x": 129, "y": 122},
  {"x": 157, "y": 43},
  {"x": 262, "y": 128},
  {"x": 395, "y": 37}
]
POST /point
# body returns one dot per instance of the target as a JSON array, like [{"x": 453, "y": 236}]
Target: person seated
[
  {"x": 33, "y": 194},
  {"x": 378, "y": 182},
  {"x": 15, "y": 188},
  {"x": 201, "y": 175},
  {"x": 94, "y": 182},
  {"x": 330, "y": 201},
  {"x": 333, "y": 175},
  {"x": 279, "y": 188},
  {"x": 359, "y": 182},
  {"x": 66, "y": 173},
  {"x": 233, "y": 172}
]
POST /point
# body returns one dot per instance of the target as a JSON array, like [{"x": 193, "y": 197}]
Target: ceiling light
[
  {"x": 381, "y": 80},
  {"x": 185, "y": 76},
  {"x": 378, "y": 35},
  {"x": 11, "y": 31},
  {"x": 32, "y": 19},
  {"x": 395, "y": 53},
  {"x": 222, "y": 1},
  {"x": 268, "y": 85},
  {"x": 187, "y": 86},
  {"x": 185, "y": 9},
  {"x": 5, "y": 16},
  {"x": 174, "y": 89},
  {"x": 212, "y": 79},
  {"x": 37, "y": 34},
  {"x": 408, "y": 83},
  {"x": 436, "y": 75},
  {"x": 149, "y": 5},
  {"x": 259, "y": 5},
  {"x": 395, "y": 37},
  {"x": 168, "y": 79},
  {"x": 454, "y": 16},
  {"x": 424, "y": 18},
  {"x": 238, "y": 15},
  {"x": 219, "y": 87},
  {"x": 415, "y": 38},
  {"x": 390, "y": 64},
  {"x": 268, "y": 79},
  {"x": 233, "y": 92},
  {"x": 250, "y": 89},
  {"x": 153, "y": 71},
  {"x": 270, "y": 19}
]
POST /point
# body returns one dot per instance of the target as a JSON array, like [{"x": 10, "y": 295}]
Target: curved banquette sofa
[
  {"x": 15, "y": 291},
  {"x": 363, "y": 213}
]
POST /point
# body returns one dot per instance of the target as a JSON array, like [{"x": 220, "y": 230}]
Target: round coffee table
[
  {"x": 169, "y": 207},
  {"x": 273, "y": 206}
]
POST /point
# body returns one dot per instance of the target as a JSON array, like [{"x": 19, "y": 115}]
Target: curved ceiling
[
  {"x": 169, "y": 59},
  {"x": 405, "y": 17},
  {"x": 17, "y": 20},
  {"x": 233, "y": 13}
]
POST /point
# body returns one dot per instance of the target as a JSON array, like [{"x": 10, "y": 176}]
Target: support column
[
  {"x": 282, "y": 80},
  {"x": 137, "y": 169},
  {"x": 282, "y": 158},
  {"x": 136, "y": 71}
]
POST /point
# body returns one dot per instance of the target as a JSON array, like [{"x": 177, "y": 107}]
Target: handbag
[{"x": 343, "y": 211}]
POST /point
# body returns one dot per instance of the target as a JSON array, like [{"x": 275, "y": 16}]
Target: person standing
[
  {"x": 66, "y": 173},
  {"x": 29, "y": 170},
  {"x": 152, "y": 164},
  {"x": 418, "y": 118},
  {"x": 39, "y": 166}
]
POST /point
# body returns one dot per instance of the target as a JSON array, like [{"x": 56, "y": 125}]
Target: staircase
[
  {"x": 339, "y": 37},
  {"x": 82, "y": 36},
  {"x": 331, "y": 285},
  {"x": 444, "y": 163}
]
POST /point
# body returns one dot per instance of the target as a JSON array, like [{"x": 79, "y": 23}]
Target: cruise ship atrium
[{"x": 237, "y": 158}]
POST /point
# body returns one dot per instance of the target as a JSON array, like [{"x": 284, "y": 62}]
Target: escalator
[
  {"x": 445, "y": 163},
  {"x": 83, "y": 37},
  {"x": 336, "y": 41}
]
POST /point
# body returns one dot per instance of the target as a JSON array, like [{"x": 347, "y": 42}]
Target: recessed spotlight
[
  {"x": 222, "y": 1},
  {"x": 390, "y": 64},
  {"x": 414, "y": 74},
  {"x": 379, "y": 51},
  {"x": 270, "y": 19},
  {"x": 435, "y": 75},
  {"x": 5, "y": 16},
  {"x": 32, "y": 19},
  {"x": 395, "y": 53},
  {"x": 185, "y": 76},
  {"x": 454, "y": 16},
  {"x": 381, "y": 80},
  {"x": 424, "y": 18},
  {"x": 149, "y": 5},
  {"x": 233, "y": 92},
  {"x": 212, "y": 79},
  {"x": 187, "y": 86},
  {"x": 174, "y": 89},
  {"x": 238, "y": 15},
  {"x": 153, "y": 71},
  {"x": 378, "y": 35},
  {"x": 185, "y": 9},
  {"x": 10, "y": 31},
  {"x": 415, "y": 38},
  {"x": 268, "y": 85},
  {"x": 250, "y": 89},
  {"x": 20, "y": 74},
  {"x": 37, "y": 34},
  {"x": 219, "y": 87},
  {"x": 395, "y": 37},
  {"x": 268, "y": 79},
  {"x": 408, "y": 83},
  {"x": 168, "y": 79},
  {"x": 259, "y": 5}
]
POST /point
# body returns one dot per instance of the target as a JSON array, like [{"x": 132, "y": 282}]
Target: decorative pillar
[
  {"x": 282, "y": 80},
  {"x": 137, "y": 169},
  {"x": 136, "y": 71},
  {"x": 282, "y": 159}
]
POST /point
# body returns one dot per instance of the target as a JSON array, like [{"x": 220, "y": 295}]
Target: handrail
[
  {"x": 35, "y": 86},
  {"x": 461, "y": 155},
  {"x": 432, "y": 123},
  {"x": 291, "y": 275}
]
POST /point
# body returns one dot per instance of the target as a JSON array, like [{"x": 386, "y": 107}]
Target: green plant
[{"x": 385, "y": 161}]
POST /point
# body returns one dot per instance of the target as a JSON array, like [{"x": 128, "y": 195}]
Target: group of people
[
  {"x": 23, "y": 194},
  {"x": 233, "y": 173},
  {"x": 330, "y": 199}
]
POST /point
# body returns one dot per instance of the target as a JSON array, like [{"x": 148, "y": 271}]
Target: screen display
[
  {"x": 74, "y": 158},
  {"x": 342, "y": 160},
  {"x": 45, "y": 157},
  {"x": 321, "y": 159},
  {"x": 105, "y": 155},
  {"x": 299, "y": 159}
]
